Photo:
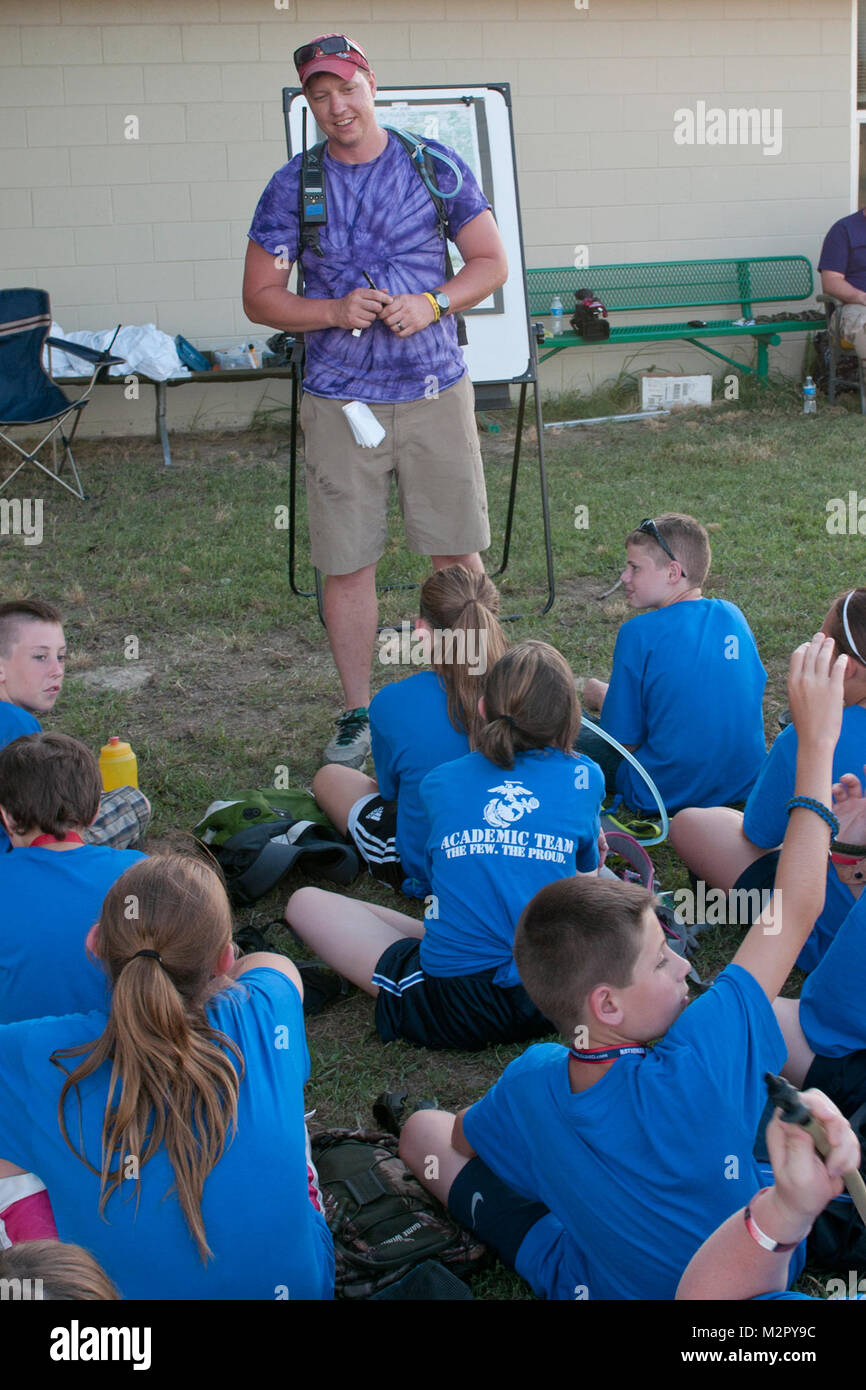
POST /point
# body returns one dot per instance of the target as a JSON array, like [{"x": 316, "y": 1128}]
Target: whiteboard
[{"x": 476, "y": 120}]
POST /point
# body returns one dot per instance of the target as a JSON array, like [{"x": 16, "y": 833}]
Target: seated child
[
  {"x": 825, "y": 1029},
  {"x": 726, "y": 848},
  {"x": 519, "y": 812},
  {"x": 416, "y": 724},
  {"x": 32, "y": 656},
  {"x": 687, "y": 683},
  {"x": 198, "y": 1184},
  {"x": 598, "y": 1169},
  {"x": 734, "y": 1262},
  {"x": 52, "y": 884}
]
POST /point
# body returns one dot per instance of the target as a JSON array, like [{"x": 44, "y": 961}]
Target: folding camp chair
[
  {"x": 28, "y": 396},
  {"x": 839, "y": 349}
]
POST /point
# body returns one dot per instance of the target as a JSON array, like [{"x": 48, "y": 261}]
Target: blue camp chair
[{"x": 28, "y": 396}]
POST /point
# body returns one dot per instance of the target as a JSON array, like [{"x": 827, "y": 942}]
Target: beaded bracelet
[
  {"x": 811, "y": 803},
  {"x": 856, "y": 851}
]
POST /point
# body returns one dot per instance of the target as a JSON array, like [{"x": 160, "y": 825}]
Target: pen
[{"x": 356, "y": 332}]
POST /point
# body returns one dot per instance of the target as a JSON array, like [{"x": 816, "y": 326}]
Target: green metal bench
[{"x": 660, "y": 285}]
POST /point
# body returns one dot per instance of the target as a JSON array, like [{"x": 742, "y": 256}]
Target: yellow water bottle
[{"x": 118, "y": 766}]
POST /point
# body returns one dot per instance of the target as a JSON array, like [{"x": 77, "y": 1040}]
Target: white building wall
[{"x": 154, "y": 229}]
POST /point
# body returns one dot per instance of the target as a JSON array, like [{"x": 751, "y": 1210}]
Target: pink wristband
[{"x": 30, "y": 1218}]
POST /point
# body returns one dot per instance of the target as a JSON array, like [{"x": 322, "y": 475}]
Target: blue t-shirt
[
  {"x": 497, "y": 837},
  {"x": 844, "y": 249},
  {"x": 381, "y": 219},
  {"x": 50, "y": 900},
  {"x": 832, "y": 1003},
  {"x": 411, "y": 734},
  {"x": 638, "y": 1170},
  {"x": 686, "y": 689},
  {"x": 14, "y": 723},
  {"x": 267, "y": 1240},
  {"x": 765, "y": 819}
]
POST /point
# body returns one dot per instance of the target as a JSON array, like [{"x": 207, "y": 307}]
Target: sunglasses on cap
[
  {"x": 336, "y": 45},
  {"x": 649, "y": 528}
]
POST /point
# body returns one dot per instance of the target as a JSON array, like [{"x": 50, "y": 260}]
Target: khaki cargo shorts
[{"x": 430, "y": 448}]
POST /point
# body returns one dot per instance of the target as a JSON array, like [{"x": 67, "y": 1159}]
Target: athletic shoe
[{"x": 351, "y": 743}]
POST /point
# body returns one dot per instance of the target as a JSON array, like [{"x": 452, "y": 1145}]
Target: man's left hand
[{"x": 408, "y": 314}]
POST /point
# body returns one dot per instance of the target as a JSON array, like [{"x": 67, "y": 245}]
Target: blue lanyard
[{"x": 607, "y": 1054}]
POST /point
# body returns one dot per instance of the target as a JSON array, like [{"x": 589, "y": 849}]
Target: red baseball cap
[{"x": 330, "y": 53}]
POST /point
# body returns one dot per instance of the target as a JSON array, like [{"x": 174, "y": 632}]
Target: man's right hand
[{"x": 359, "y": 308}]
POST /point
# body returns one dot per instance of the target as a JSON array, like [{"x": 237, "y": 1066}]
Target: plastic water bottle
[
  {"x": 118, "y": 766},
  {"x": 810, "y": 403},
  {"x": 556, "y": 316}
]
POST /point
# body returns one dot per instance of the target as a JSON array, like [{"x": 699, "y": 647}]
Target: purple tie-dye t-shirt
[{"x": 380, "y": 219}]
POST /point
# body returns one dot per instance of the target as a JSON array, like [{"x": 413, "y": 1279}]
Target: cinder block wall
[{"x": 153, "y": 228}]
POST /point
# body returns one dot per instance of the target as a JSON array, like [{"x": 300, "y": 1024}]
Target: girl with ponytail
[
  {"x": 416, "y": 724},
  {"x": 503, "y": 821},
  {"x": 170, "y": 1133},
  {"x": 728, "y": 849}
]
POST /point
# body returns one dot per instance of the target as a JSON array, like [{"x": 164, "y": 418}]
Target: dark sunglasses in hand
[
  {"x": 649, "y": 527},
  {"x": 326, "y": 48}
]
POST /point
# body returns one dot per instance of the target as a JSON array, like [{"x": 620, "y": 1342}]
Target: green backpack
[
  {"x": 258, "y": 836},
  {"x": 383, "y": 1221}
]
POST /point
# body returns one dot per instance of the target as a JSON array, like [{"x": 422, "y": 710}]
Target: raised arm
[{"x": 777, "y": 937}]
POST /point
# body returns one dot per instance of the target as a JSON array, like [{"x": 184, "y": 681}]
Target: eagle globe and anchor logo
[{"x": 511, "y": 801}]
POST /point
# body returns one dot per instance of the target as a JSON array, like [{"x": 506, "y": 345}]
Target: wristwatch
[{"x": 441, "y": 303}]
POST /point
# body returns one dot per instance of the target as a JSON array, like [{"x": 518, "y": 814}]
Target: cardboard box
[{"x": 660, "y": 390}]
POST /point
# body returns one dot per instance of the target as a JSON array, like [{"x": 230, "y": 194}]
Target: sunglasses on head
[
  {"x": 649, "y": 528},
  {"x": 326, "y": 48}
]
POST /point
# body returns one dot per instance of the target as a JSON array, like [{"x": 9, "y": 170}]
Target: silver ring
[{"x": 399, "y": 323}]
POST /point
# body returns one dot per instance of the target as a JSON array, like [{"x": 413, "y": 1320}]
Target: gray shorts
[{"x": 430, "y": 449}]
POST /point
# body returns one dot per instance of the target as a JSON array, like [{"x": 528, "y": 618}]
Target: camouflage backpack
[{"x": 383, "y": 1221}]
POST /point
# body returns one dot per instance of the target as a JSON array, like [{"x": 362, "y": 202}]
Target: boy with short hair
[
  {"x": 597, "y": 1171},
  {"x": 52, "y": 884},
  {"x": 32, "y": 657},
  {"x": 686, "y": 688}
]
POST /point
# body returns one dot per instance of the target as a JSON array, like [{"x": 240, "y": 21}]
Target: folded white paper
[{"x": 363, "y": 424}]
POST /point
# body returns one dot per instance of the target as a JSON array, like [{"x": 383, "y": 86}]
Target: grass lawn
[{"x": 189, "y": 561}]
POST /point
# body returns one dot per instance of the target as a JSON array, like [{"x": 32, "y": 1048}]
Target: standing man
[{"x": 405, "y": 362}]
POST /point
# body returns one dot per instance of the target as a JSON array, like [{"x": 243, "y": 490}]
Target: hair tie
[
  {"x": 509, "y": 721},
  {"x": 146, "y": 952},
  {"x": 851, "y": 643}
]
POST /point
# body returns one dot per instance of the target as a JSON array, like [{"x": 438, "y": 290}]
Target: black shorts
[
  {"x": 762, "y": 876},
  {"x": 436, "y": 1011},
  {"x": 372, "y": 825},
  {"x": 843, "y": 1079},
  {"x": 492, "y": 1210}
]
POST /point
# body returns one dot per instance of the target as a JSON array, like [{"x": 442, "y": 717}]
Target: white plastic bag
[{"x": 144, "y": 348}]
